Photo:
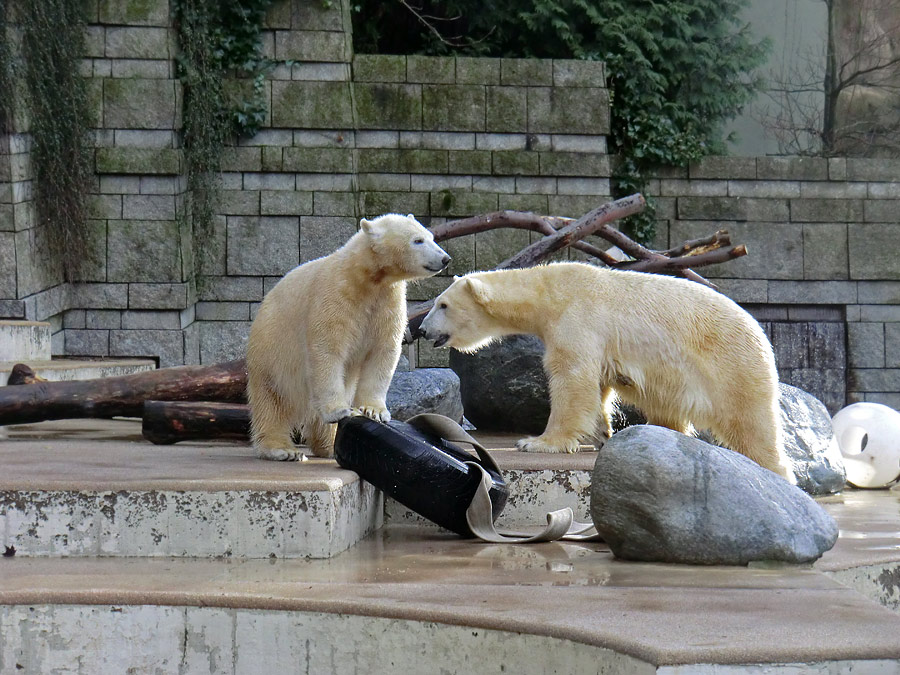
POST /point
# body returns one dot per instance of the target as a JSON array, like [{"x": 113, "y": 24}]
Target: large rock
[
  {"x": 810, "y": 442},
  {"x": 432, "y": 390},
  {"x": 661, "y": 496},
  {"x": 503, "y": 386}
]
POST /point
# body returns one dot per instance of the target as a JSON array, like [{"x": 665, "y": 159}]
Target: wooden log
[
  {"x": 121, "y": 396},
  {"x": 168, "y": 422}
]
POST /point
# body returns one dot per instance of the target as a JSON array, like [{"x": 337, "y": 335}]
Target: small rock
[
  {"x": 503, "y": 386},
  {"x": 810, "y": 442},
  {"x": 661, "y": 496},
  {"x": 427, "y": 390}
]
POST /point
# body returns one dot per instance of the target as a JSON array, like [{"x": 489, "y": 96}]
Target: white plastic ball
[{"x": 868, "y": 435}]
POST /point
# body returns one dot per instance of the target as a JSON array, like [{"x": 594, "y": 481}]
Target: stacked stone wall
[{"x": 349, "y": 136}]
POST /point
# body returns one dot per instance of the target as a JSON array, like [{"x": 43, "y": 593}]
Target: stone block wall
[
  {"x": 357, "y": 135},
  {"x": 822, "y": 236}
]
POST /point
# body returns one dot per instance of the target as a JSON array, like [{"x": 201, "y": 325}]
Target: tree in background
[{"x": 677, "y": 71}]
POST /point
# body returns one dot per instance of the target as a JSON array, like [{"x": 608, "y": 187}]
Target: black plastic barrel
[{"x": 422, "y": 471}]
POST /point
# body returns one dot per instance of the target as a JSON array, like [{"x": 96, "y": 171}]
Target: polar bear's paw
[
  {"x": 541, "y": 444},
  {"x": 281, "y": 454},
  {"x": 333, "y": 416},
  {"x": 375, "y": 412}
]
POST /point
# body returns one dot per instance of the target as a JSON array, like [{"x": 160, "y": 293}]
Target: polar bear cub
[
  {"x": 681, "y": 352},
  {"x": 327, "y": 337}
]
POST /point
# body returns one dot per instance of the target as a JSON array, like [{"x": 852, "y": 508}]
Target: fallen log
[
  {"x": 122, "y": 396},
  {"x": 168, "y": 422}
]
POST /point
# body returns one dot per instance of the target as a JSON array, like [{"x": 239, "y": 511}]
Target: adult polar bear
[
  {"x": 327, "y": 337},
  {"x": 681, "y": 352}
]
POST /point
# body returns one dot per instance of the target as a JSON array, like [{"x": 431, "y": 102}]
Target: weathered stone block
[
  {"x": 892, "y": 345},
  {"x": 812, "y": 292},
  {"x": 86, "y": 342},
  {"x": 731, "y": 168},
  {"x": 434, "y": 183},
  {"x": 334, "y": 204},
  {"x": 223, "y": 341},
  {"x": 457, "y": 203},
  {"x": 264, "y": 245},
  {"x": 158, "y": 296},
  {"x": 597, "y": 187},
  {"x": 535, "y": 185},
  {"x": 495, "y": 246},
  {"x": 94, "y": 42},
  {"x": 306, "y": 45},
  {"x": 764, "y": 188},
  {"x": 231, "y": 289},
  {"x": 578, "y": 73},
  {"x": 311, "y": 105},
  {"x": 574, "y": 164},
  {"x": 430, "y": 69},
  {"x": 376, "y": 203},
  {"x": 825, "y": 254},
  {"x": 886, "y": 313},
  {"x": 535, "y": 203},
  {"x": 322, "y": 235},
  {"x": 35, "y": 270},
  {"x": 872, "y": 379},
  {"x": 143, "y": 68},
  {"x": 99, "y": 296},
  {"x": 516, "y": 163},
  {"x": 879, "y": 292},
  {"x": 388, "y": 106},
  {"x": 105, "y": 206},
  {"x": 574, "y": 111},
  {"x": 826, "y": 210},
  {"x": 871, "y": 169},
  {"x": 138, "y": 161},
  {"x": 120, "y": 185},
  {"x": 469, "y": 162},
  {"x": 506, "y": 109},
  {"x": 527, "y": 72},
  {"x": 404, "y": 160},
  {"x": 285, "y": 203},
  {"x": 137, "y": 42},
  {"x": 731, "y": 208},
  {"x": 318, "y": 160},
  {"x": 866, "y": 345},
  {"x": 148, "y": 207},
  {"x": 837, "y": 168},
  {"x": 873, "y": 249},
  {"x": 319, "y": 16},
  {"x": 135, "y": 103},
  {"x": 269, "y": 181},
  {"x": 792, "y": 168},
  {"x": 7, "y": 265},
  {"x": 241, "y": 159},
  {"x": 166, "y": 345},
  {"x": 471, "y": 70},
  {"x": 151, "y": 320},
  {"x": 74, "y": 318},
  {"x": 272, "y": 158},
  {"x": 826, "y": 344},
  {"x": 494, "y": 184},
  {"x": 884, "y": 190},
  {"x": 134, "y": 12},
  {"x": 144, "y": 250},
  {"x": 791, "y": 345},
  {"x": 379, "y": 68},
  {"x": 833, "y": 190},
  {"x": 223, "y": 311},
  {"x": 239, "y": 202},
  {"x": 453, "y": 107},
  {"x": 882, "y": 210}
]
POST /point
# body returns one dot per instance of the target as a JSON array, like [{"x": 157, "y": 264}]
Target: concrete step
[
  {"x": 67, "y": 369},
  {"x": 414, "y": 600},
  {"x": 24, "y": 340},
  {"x": 95, "y": 487}
]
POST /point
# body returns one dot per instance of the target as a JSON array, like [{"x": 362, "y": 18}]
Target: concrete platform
[
  {"x": 67, "y": 369},
  {"x": 24, "y": 340},
  {"x": 415, "y": 600}
]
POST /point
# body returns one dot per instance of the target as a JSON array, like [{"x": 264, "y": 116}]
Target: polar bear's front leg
[
  {"x": 375, "y": 379},
  {"x": 575, "y": 407},
  {"x": 328, "y": 391}
]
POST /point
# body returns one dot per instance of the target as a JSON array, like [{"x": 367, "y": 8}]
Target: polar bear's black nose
[{"x": 445, "y": 260}]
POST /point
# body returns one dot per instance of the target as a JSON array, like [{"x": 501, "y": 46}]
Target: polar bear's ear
[
  {"x": 410, "y": 215},
  {"x": 370, "y": 227},
  {"x": 478, "y": 289}
]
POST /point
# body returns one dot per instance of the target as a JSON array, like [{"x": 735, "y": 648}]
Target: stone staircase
[{"x": 29, "y": 342}]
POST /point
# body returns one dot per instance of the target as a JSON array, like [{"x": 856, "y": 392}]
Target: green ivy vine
[
  {"x": 222, "y": 69},
  {"x": 47, "y": 60}
]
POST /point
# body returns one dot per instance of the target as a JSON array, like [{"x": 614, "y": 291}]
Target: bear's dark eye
[
  {"x": 419, "y": 241},
  {"x": 443, "y": 305}
]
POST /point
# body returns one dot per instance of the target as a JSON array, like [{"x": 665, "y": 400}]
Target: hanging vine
[
  {"x": 218, "y": 39},
  {"x": 7, "y": 82},
  {"x": 52, "y": 45}
]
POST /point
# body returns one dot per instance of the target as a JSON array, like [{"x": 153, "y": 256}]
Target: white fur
[
  {"x": 327, "y": 337},
  {"x": 681, "y": 352}
]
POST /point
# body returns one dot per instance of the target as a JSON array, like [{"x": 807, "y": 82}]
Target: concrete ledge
[
  {"x": 24, "y": 340},
  {"x": 58, "y": 370}
]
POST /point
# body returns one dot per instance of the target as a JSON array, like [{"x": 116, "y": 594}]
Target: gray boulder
[
  {"x": 661, "y": 496},
  {"x": 503, "y": 386},
  {"x": 810, "y": 442},
  {"x": 434, "y": 390}
]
